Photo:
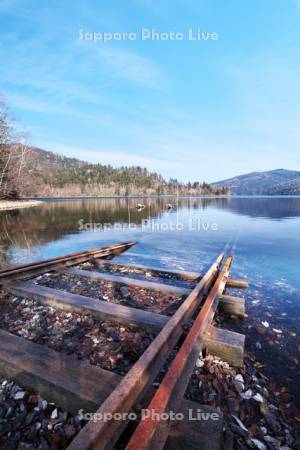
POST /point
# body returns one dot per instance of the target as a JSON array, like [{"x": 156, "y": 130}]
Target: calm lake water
[{"x": 262, "y": 233}]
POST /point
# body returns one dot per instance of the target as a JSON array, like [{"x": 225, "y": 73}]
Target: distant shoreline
[
  {"x": 6, "y": 205},
  {"x": 174, "y": 196}
]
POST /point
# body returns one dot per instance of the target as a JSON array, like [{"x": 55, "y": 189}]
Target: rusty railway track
[{"x": 74, "y": 386}]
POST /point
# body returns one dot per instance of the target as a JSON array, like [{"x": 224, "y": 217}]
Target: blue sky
[{"x": 194, "y": 110}]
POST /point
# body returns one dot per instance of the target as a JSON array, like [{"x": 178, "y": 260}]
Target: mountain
[
  {"x": 51, "y": 174},
  {"x": 273, "y": 182}
]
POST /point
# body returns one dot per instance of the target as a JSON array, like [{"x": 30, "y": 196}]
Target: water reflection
[
  {"x": 271, "y": 207},
  {"x": 29, "y": 228}
]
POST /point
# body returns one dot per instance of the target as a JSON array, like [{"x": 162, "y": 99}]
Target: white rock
[
  {"x": 247, "y": 395},
  {"x": 54, "y": 414},
  {"x": 239, "y": 378},
  {"x": 199, "y": 363},
  {"x": 260, "y": 445},
  {"x": 257, "y": 397},
  {"x": 44, "y": 404},
  {"x": 270, "y": 439},
  {"x": 19, "y": 395},
  {"x": 240, "y": 423}
]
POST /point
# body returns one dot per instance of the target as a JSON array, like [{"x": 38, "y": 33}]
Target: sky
[{"x": 204, "y": 109}]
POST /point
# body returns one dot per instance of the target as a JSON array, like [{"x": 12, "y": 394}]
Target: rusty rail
[
  {"x": 71, "y": 259},
  {"x": 103, "y": 434},
  {"x": 152, "y": 433}
]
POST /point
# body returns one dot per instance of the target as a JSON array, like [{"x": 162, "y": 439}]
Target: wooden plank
[
  {"x": 66, "y": 260},
  {"x": 151, "y": 432},
  {"x": 108, "y": 311},
  {"x": 232, "y": 306},
  {"x": 156, "y": 271},
  {"x": 102, "y": 434},
  {"x": 238, "y": 284},
  {"x": 128, "y": 281},
  {"x": 196, "y": 434},
  {"x": 152, "y": 257},
  {"x": 60, "y": 378},
  {"x": 73, "y": 385},
  {"x": 103, "y": 310},
  {"x": 193, "y": 276},
  {"x": 227, "y": 345}
]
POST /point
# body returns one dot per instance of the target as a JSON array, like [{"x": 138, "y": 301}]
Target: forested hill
[
  {"x": 272, "y": 182},
  {"x": 50, "y": 174}
]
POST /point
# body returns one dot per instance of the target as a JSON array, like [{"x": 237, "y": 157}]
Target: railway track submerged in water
[{"x": 75, "y": 386}]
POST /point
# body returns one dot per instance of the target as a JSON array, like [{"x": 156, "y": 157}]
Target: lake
[{"x": 263, "y": 233}]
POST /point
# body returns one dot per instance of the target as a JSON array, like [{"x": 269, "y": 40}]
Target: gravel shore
[{"x": 16, "y": 204}]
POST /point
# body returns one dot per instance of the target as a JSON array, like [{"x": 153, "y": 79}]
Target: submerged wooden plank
[
  {"x": 179, "y": 274},
  {"x": 227, "y": 345},
  {"x": 238, "y": 284},
  {"x": 81, "y": 304},
  {"x": 194, "y": 276},
  {"x": 60, "y": 378},
  {"x": 128, "y": 281},
  {"x": 232, "y": 306}
]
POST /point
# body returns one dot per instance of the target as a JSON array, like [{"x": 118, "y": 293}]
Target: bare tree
[{"x": 14, "y": 152}]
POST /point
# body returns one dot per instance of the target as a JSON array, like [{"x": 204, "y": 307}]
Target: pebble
[
  {"x": 239, "y": 378},
  {"x": 54, "y": 414},
  {"x": 247, "y": 395},
  {"x": 199, "y": 363},
  {"x": 19, "y": 395},
  {"x": 258, "y": 444},
  {"x": 124, "y": 291},
  {"x": 258, "y": 397}
]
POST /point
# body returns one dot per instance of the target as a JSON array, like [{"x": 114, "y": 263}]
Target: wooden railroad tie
[{"x": 74, "y": 385}]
